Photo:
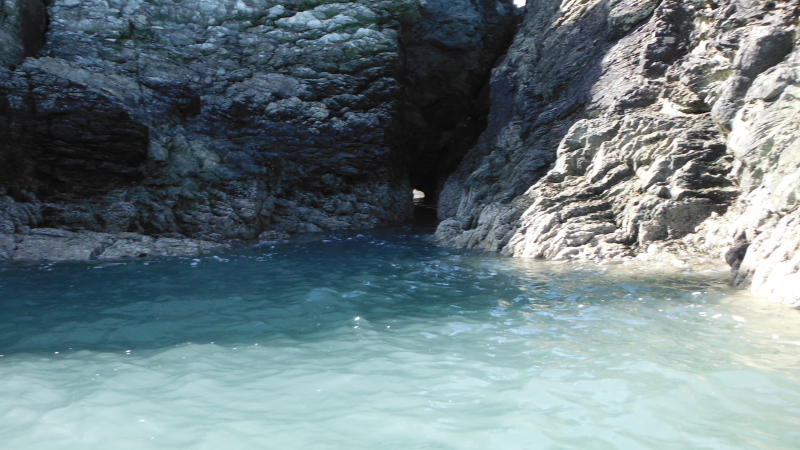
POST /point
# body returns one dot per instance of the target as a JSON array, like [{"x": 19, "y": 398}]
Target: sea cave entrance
[{"x": 424, "y": 209}]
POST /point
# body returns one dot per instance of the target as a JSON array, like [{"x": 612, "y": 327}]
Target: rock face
[
  {"x": 224, "y": 120},
  {"x": 626, "y": 128},
  {"x": 22, "y": 29}
]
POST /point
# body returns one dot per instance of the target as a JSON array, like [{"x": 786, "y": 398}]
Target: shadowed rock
[{"x": 226, "y": 120}]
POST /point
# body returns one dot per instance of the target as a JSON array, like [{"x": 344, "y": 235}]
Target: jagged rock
[
  {"x": 223, "y": 120},
  {"x": 634, "y": 180},
  {"x": 762, "y": 48},
  {"x": 730, "y": 100},
  {"x": 766, "y": 143},
  {"x": 771, "y": 264},
  {"x": 673, "y": 135}
]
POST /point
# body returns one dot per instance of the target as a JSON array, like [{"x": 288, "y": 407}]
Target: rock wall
[
  {"x": 622, "y": 129},
  {"x": 228, "y": 120},
  {"x": 23, "y": 24}
]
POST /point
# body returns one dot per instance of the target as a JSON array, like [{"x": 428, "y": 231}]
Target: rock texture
[
  {"x": 224, "y": 120},
  {"x": 53, "y": 244},
  {"x": 22, "y": 29},
  {"x": 647, "y": 129}
]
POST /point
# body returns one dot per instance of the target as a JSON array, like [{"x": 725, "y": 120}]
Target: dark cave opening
[
  {"x": 34, "y": 27},
  {"x": 446, "y": 83},
  {"x": 424, "y": 212}
]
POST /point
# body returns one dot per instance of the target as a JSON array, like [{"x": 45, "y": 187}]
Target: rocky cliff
[
  {"x": 647, "y": 129},
  {"x": 227, "y": 120},
  {"x": 611, "y": 129}
]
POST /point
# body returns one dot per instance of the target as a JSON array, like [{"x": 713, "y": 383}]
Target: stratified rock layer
[
  {"x": 626, "y": 128},
  {"x": 224, "y": 120}
]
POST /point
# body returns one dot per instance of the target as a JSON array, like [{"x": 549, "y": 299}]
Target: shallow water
[{"x": 384, "y": 340}]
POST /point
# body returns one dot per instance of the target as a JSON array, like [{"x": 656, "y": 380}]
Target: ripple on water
[{"x": 384, "y": 340}]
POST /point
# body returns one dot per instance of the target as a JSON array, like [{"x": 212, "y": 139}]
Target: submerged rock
[{"x": 627, "y": 129}]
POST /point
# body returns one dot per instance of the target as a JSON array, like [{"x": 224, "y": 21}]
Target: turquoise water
[{"x": 383, "y": 340}]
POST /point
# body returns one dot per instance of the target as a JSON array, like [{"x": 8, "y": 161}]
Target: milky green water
[{"x": 385, "y": 341}]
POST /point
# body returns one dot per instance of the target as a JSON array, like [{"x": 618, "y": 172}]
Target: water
[{"x": 385, "y": 341}]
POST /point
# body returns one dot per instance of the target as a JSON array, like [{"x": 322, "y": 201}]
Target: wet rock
[
  {"x": 52, "y": 244},
  {"x": 129, "y": 245}
]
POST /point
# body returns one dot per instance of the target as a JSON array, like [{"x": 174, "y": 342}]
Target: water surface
[{"x": 384, "y": 340}]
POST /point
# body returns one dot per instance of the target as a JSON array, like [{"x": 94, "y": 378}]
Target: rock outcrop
[
  {"x": 612, "y": 129},
  {"x": 622, "y": 129},
  {"x": 53, "y": 244},
  {"x": 226, "y": 120}
]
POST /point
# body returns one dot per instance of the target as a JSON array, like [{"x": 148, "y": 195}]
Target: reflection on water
[{"x": 384, "y": 340}]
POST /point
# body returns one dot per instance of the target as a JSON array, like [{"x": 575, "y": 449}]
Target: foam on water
[{"x": 384, "y": 340}]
